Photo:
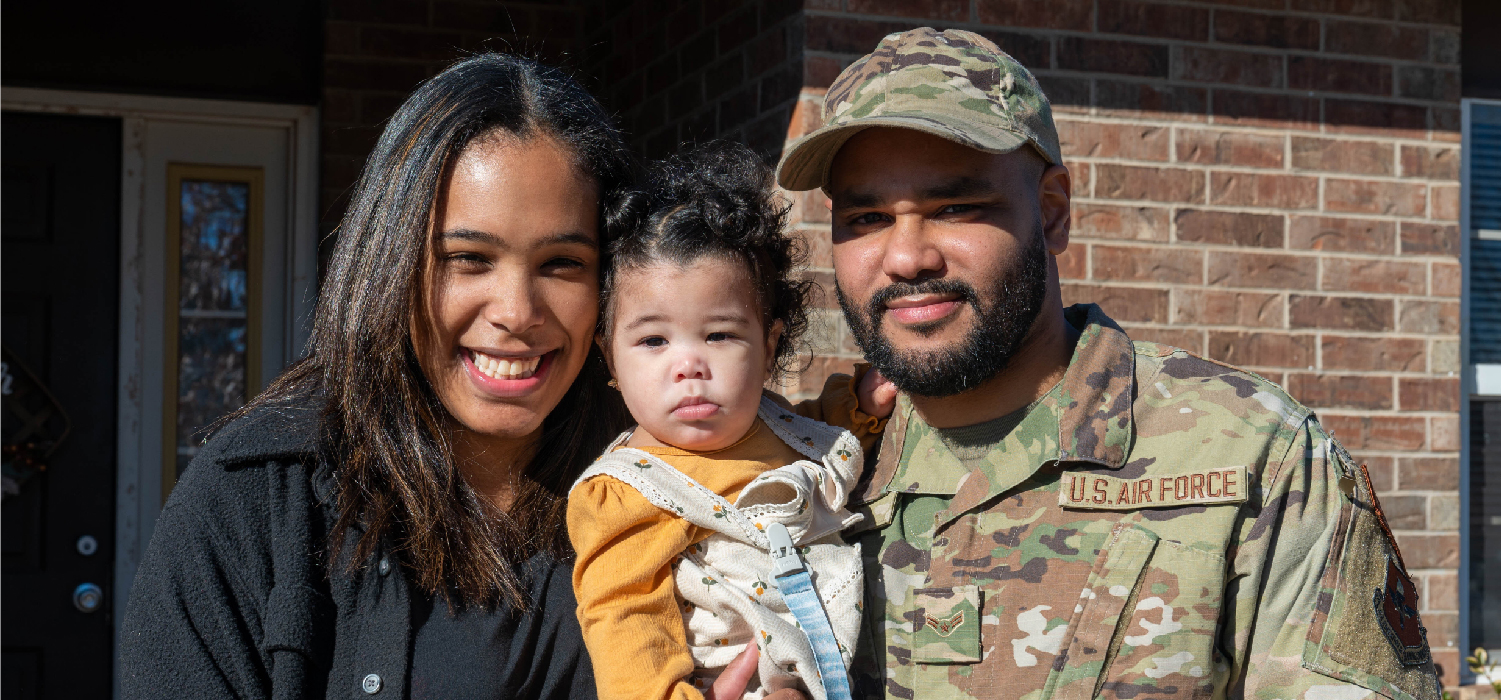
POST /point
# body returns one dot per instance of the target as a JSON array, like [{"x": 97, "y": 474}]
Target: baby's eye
[
  {"x": 720, "y": 337},
  {"x": 653, "y": 341}
]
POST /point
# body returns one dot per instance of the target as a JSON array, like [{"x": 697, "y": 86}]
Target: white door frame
[{"x": 137, "y": 468}]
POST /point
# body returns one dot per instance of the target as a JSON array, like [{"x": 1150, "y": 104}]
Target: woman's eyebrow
[
  {"x": 571, "y": 237},
  {"x": 469, "y": 234}
]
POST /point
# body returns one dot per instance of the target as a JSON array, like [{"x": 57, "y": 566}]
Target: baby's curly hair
[{"x": 717, "y": 200}]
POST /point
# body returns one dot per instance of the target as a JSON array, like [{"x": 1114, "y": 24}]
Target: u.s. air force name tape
[{"x": 1203, "y": 487}]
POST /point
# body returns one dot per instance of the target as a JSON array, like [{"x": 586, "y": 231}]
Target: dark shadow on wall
[{"x": 268, "y": 50}]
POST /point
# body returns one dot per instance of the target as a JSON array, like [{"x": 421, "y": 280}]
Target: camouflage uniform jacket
[{"x": 1158, "y": 525}]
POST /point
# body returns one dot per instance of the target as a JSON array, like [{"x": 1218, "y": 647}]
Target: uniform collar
[
  {"x": 1085, "y": 418},
  {"x": 1094, "y": 399}
]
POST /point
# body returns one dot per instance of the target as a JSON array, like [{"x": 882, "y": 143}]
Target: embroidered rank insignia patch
[
  {"x": 1397, "y": 613},
  {"x": 1102, "y": 492},
  {"x": 945, "y": 628}
]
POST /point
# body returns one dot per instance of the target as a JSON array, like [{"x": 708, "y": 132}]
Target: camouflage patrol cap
[{"x": 954, "y": 84}]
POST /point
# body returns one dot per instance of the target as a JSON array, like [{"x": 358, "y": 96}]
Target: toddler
[{"x": 676, "y": 524}]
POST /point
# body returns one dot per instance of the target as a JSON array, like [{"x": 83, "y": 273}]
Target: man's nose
[{"x": 910, "y": 250}]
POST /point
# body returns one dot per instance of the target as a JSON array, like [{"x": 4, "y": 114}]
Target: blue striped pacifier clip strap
[{"x": 796, "y": 585}]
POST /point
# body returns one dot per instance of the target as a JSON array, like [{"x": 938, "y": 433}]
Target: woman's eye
[{"x": 466, "y": 258}]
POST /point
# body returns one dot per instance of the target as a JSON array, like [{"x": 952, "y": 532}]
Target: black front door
[{"x": 61, "y": 232}]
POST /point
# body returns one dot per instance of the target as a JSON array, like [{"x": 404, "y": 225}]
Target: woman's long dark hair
[{"x": 384, "y": 430}]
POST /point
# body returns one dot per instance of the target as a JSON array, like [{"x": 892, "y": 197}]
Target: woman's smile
[{"x": 506, "y": 376}]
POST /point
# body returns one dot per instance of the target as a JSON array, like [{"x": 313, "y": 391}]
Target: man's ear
[
  {"x": 773, "y": 336},
  {"x": 1054, "y": 194}
]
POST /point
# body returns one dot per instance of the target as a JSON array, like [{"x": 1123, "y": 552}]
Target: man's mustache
[{"x": 896, "y": 290}]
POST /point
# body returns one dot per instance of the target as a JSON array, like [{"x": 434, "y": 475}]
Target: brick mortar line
[
  {"x": 1171, "y": 81},
  {"x": 1201, "y": 206},
  {"x": 1249, "y": 130},
  {"x": 1414, "y": 258},
  {"x": 1306, "y": 14},
  {"x": 1266, "y": 210},
  {"x": 1253, "y": 170},
  {"x": 1050, "y": 34}
]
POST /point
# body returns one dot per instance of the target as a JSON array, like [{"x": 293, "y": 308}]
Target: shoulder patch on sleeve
[
  {"x": 1396, "y": 605},
  {"x": 1366, "y": 629}
]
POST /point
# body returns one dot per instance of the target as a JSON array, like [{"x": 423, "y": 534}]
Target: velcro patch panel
[{"x": 1203, "y": 487}]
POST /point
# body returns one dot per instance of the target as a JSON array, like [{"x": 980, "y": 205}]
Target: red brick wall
[{"x": 1271, "y": 183}]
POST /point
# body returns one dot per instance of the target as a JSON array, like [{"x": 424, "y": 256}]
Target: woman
[{"x": 387, "y": 517}]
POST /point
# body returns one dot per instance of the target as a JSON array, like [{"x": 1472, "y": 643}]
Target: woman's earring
[{"x": 612, "y": 383}]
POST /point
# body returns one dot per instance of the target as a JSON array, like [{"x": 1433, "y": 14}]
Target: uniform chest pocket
[
  {"x": 1146, "y": 621},
  {"x": 946, "y": 625}
]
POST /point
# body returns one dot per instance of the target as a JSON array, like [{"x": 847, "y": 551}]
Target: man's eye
[
  {"x": 653, "y": 341},
  {"x": 867, "y": 219},
  {"x": 958, "y": 208},
  {"x": 564, "y": 264}
]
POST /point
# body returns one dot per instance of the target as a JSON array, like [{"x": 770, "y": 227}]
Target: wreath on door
[{"x": 35, "y": 424}]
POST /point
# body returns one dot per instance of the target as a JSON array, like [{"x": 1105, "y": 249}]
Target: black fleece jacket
[{"x": 234, "y": 599}]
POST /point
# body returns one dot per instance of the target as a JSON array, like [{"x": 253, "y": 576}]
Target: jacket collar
[
  {"x": 282, "y": 431},
  {"x": 1087, "y": 417}
]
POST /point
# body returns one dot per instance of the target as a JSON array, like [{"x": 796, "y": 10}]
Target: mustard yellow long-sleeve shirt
[{"x": 623, "y": 575}]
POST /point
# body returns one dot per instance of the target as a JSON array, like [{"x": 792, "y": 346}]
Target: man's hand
[
  {"x": 877, "y": 395},
  {"x": 731, "y": 684}
]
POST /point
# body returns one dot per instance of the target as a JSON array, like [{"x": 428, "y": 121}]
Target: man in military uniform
[{"x": 1057, "y": 511}]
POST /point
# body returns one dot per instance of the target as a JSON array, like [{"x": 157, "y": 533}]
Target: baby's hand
[{"x": 877, "y": 395}]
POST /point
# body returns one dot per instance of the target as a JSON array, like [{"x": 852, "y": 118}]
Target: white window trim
[{"x": 136, "y": 503}]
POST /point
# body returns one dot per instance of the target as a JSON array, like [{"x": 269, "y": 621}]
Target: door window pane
[{"x": 212, "y": 339}]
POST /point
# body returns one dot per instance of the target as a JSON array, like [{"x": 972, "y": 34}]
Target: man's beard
[{"x": 1002, "y": 321}]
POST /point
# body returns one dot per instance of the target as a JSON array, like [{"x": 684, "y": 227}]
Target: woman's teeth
[{"x": 501, "y": 368}]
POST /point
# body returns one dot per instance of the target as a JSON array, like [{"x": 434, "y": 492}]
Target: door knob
[{"x": 88, "y": 597}]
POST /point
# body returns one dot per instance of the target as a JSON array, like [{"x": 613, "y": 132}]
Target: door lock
[{"x": 88, "y": 597}]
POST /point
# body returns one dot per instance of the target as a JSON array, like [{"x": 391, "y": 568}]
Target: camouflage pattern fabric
[
  {"x": 953, "y": 84},
  {"x": 1157, "y": 526}
]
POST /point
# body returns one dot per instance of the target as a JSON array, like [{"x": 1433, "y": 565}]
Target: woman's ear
[
  {"x": 604, "y": 350},
  {"x": 773, "y": 336}
]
